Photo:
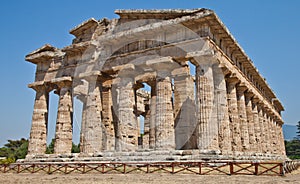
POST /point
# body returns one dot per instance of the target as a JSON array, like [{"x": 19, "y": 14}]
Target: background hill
[{"x": 289, "y": 131}]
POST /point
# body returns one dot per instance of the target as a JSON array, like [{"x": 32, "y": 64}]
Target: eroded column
[
  {"x": 263, "y": 129},
  {"x": 164, "y": 125},
  {"x": 273, "y": 135},
  {"x": 207, "y": 117},
  {"x": 107, "y": 116},
  {"x": 281, "y": 139},
  {"x": 38, "y": 133},
  {"x": 234, "y": 121},
  {"x": 266, "y": 132},
  {"x": 256, "y": 121},
  {"x": 243, "y": 117},
  {"x": 250, "y": 122},
  {"x": 152, "y": 116},
  {"x": 220, "y": 101},
  {"x": 92, "y": 132},
  {"x": 63, "y": 134},
  {"x": 184, "y": 109},
  {"x": 127, "y": 128}
]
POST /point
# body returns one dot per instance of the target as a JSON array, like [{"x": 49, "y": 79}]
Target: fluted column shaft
[
  {"x": 250, "y": 122},
  {"x": 127, "y": 128},
  {"x": 220, "y": 100},
  {"x": 38, "y": 133},
  {"x": 184, "y": 110},
  {"x": 257, "y": 129},
  {"x": 152, "y": 117},
  {"x": 263, "y": 130},
  {"x": 274, "y": 136},
  {"x": 92, "y": 132},
  {"x": 243, "y": 118},
  {"x": 233, "y": 115},
  {"x": 107, "y": 117},
  {"x": 208, "y": 124},
  {"x": 270, "y": 134},
  {"x": 64, "y": 122},
  {"x": 164, "y": 125},
  {"x": 266, "y": 132},
  {"x": 281, "y": 140}
]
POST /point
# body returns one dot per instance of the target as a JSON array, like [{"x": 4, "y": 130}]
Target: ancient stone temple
[{"x": 155, "y": 85}]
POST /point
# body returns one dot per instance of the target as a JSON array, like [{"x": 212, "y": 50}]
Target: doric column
[
  {"x": 127, "y": 128},
  {"x": 243, "y": 117},
  {"x": 184, "y": 109},
  {"x": 207, "y": 116},
  {"x": 257, "y": 129},
  {"x": 152, "y": 117},
  {"x": 234, "y": 122},
  {"x": 92, "y": 132},
  {"x": 139, "y": 106},
  {"x": 281, "y": 139},
  {"x": 250, "y": 122},
  {"x": 38, "y": 133},
  {"x": 63, "y": 134},
  {"x": 263, "y": 129},
  {"x": 270, "y": 133},
  {"x": 164, "y": 117},
  {"x": 107, "y": 116},
  {"x": 146, "y": 135},
  {"x": 273, "y": 134},
  {"x": 266, "y": 132},
  {"x": 164, "y": 127},
  {"x": 220, "y": 100}
]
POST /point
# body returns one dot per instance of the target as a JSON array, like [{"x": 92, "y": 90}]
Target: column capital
[
  {"x": 226, "y": 71},
  {"x": 249, "y": 94},
  {"x": 206, "y": 57},
  {"x": 163, "y": 66},
  {"x": 255, "y": 100},
  {"x": 40, "y": 86},
  {"x": 241, "y": 88},
  {"x": 91, "y": 76},
  {"x": 107, "y": 83},
  {"x": 232, "y": 80},
  {"x": 62, "y": 82}
]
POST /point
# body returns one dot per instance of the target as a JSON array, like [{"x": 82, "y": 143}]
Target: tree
[
  {"x": 50, "y": 148},
  {"x": 292, "y": 147},
  {"x": 298, "y": 132},
  {"x": 15, "y": 149},
  {"x": 75, "y": 148}
]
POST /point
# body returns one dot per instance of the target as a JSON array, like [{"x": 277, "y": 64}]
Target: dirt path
[{"x": 293, "y": 178}]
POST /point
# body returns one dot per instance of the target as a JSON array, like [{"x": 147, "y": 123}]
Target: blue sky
[{"x": 268, "y": 31}]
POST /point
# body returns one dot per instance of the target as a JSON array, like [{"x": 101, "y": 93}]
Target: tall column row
[{"x": 219, "y": 115}]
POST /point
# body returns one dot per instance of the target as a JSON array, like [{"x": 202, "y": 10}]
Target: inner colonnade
[{"x": 224, "y": 107}]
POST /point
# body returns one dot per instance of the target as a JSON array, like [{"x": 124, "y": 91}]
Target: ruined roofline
[
  {"x": 238, "y": 48},
  {"x": 46, "y": 47},
  {"x": 152, "y": 13},
  {"x": 182, "y": 15},
  {"x": 207, "y": 14},
  {"x": 76, "y": 31},
  {"x": 45, "y": 52},
  {"x": 158, "y": 11}
]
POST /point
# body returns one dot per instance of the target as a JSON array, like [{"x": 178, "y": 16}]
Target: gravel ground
[{"x": 9, "y": 178}]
